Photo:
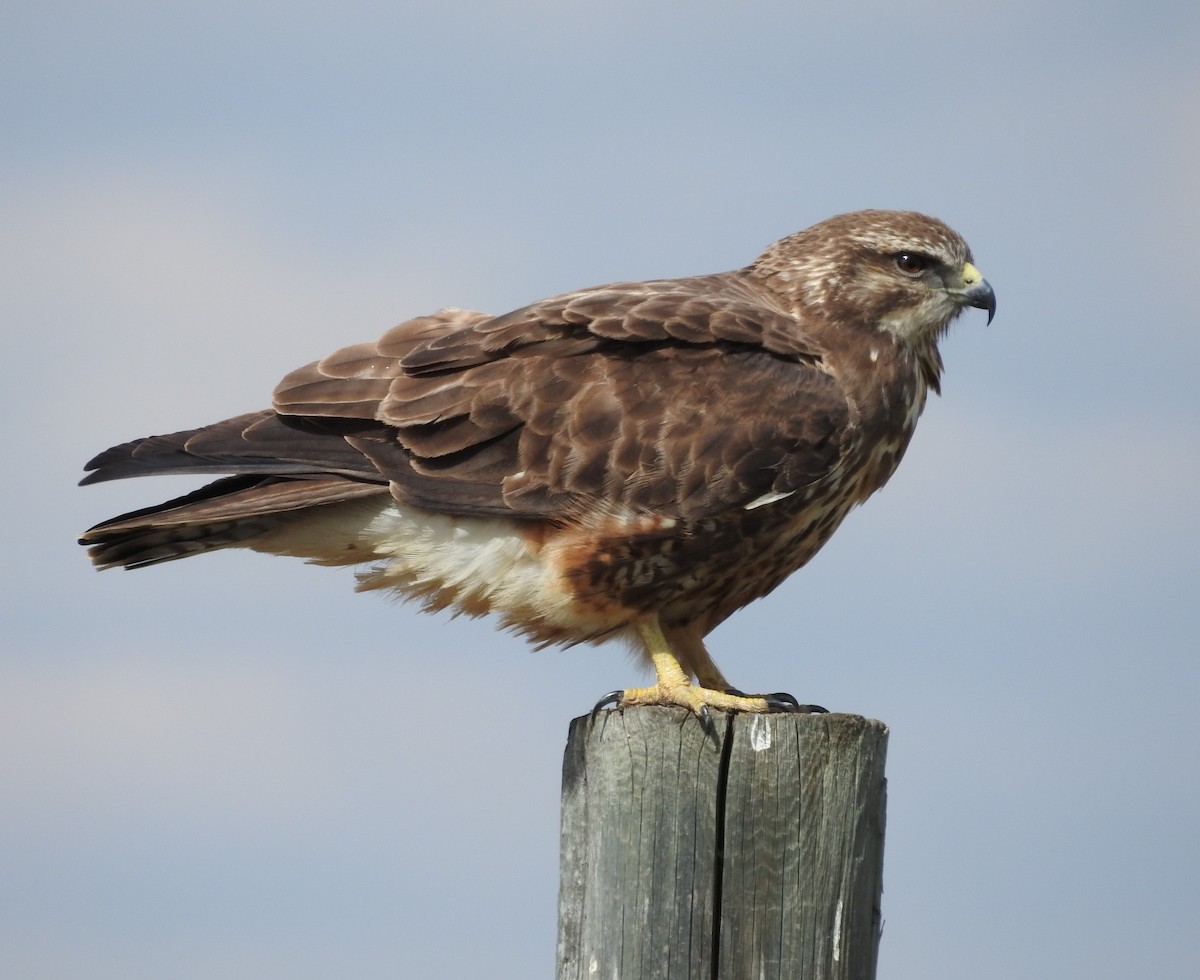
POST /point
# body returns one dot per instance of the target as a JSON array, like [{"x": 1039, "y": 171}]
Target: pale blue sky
[{"x": 235, "y": 767}]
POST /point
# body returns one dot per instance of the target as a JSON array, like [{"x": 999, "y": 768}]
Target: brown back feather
[{"x": 685, "y": 397}]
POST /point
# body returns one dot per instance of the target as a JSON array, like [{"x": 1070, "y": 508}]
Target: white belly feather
[{"x": 475, "y": 565}]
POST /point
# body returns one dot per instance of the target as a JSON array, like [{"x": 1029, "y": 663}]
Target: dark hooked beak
[{"x": 977, "y": 292}]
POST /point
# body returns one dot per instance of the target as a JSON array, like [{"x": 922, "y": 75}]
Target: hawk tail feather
[
  {"x": 228, "y": 512},
  {"x": 263, "y": 443}
]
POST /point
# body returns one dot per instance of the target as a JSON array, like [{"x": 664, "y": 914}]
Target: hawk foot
[
  {"x": 673, "y": 685},
  {"x": 699, "y": 699},
  {"x": 782, "y": 701}
]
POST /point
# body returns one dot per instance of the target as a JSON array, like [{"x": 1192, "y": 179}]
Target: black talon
[
  {"x": 781, "y": 701},
  {"x": 611, "y": 698}
]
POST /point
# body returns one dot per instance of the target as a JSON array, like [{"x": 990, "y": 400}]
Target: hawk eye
[{"x": 911, "y": 263}]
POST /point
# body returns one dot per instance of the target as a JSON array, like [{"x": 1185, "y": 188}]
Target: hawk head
[{"x": 897, "y": 271}]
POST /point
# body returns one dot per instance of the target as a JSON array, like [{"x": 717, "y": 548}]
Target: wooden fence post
[{"x": 753, "y": 851}]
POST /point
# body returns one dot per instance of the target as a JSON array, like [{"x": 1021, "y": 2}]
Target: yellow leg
[{"x": 673, "y": 686}]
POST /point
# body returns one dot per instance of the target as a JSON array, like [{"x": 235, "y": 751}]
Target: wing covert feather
[{"x": 682, "y": 397}]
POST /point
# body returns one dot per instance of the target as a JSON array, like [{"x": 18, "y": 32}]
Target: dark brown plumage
[{"x": 639, "y": 458}]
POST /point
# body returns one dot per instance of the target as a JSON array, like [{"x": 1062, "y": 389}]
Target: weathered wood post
[{"x": 754, "y": 852}]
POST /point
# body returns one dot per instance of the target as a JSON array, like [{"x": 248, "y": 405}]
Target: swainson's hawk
[{"x": 638, "y": 459}]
